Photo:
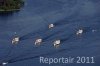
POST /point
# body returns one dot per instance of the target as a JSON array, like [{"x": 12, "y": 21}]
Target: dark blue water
[{"x": 32, "y": 22}]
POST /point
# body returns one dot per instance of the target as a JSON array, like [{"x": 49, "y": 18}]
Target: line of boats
[{"x": 38, "y": 41}]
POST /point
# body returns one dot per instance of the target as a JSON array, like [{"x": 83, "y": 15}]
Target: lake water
[{"x": 32, "y": 21}]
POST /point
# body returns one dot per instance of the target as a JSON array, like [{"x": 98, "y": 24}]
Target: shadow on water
[{"x": 8, "y": 13}]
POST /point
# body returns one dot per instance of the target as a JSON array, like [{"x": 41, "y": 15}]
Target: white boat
[
  {"x": 38, "y": 41},
  {"x": 94, "y": 30},
  {"x": 15, "y": 40},
  {"x": 80, "y": 31},
  {"x": 51, "y": 26},
  {"x": 57, "y": 43},
  {"x": 4, "y": 63}
]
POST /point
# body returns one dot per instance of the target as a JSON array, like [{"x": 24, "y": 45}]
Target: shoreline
[{"x": 9, "y": 10}]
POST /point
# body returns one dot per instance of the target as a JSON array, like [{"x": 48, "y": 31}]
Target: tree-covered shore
[{"x": 10, "y": 5}]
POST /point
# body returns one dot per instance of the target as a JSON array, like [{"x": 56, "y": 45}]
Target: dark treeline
[{"x": 10, "y": 4}]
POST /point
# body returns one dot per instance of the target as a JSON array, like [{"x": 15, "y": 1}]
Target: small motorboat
[
  {"x": 94, "y": 30},
  {"x": 51, "y": 26},
  {"x": 38, "y": 41},
  {"x": 4, "y": 63},
  {"x": 15, "y": 40},
  {"x": 79, "y": 32},
  {"x": 57, "y": 43}
]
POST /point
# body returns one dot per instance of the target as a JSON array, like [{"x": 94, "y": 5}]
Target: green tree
[{"x": 12, "y": 4}]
